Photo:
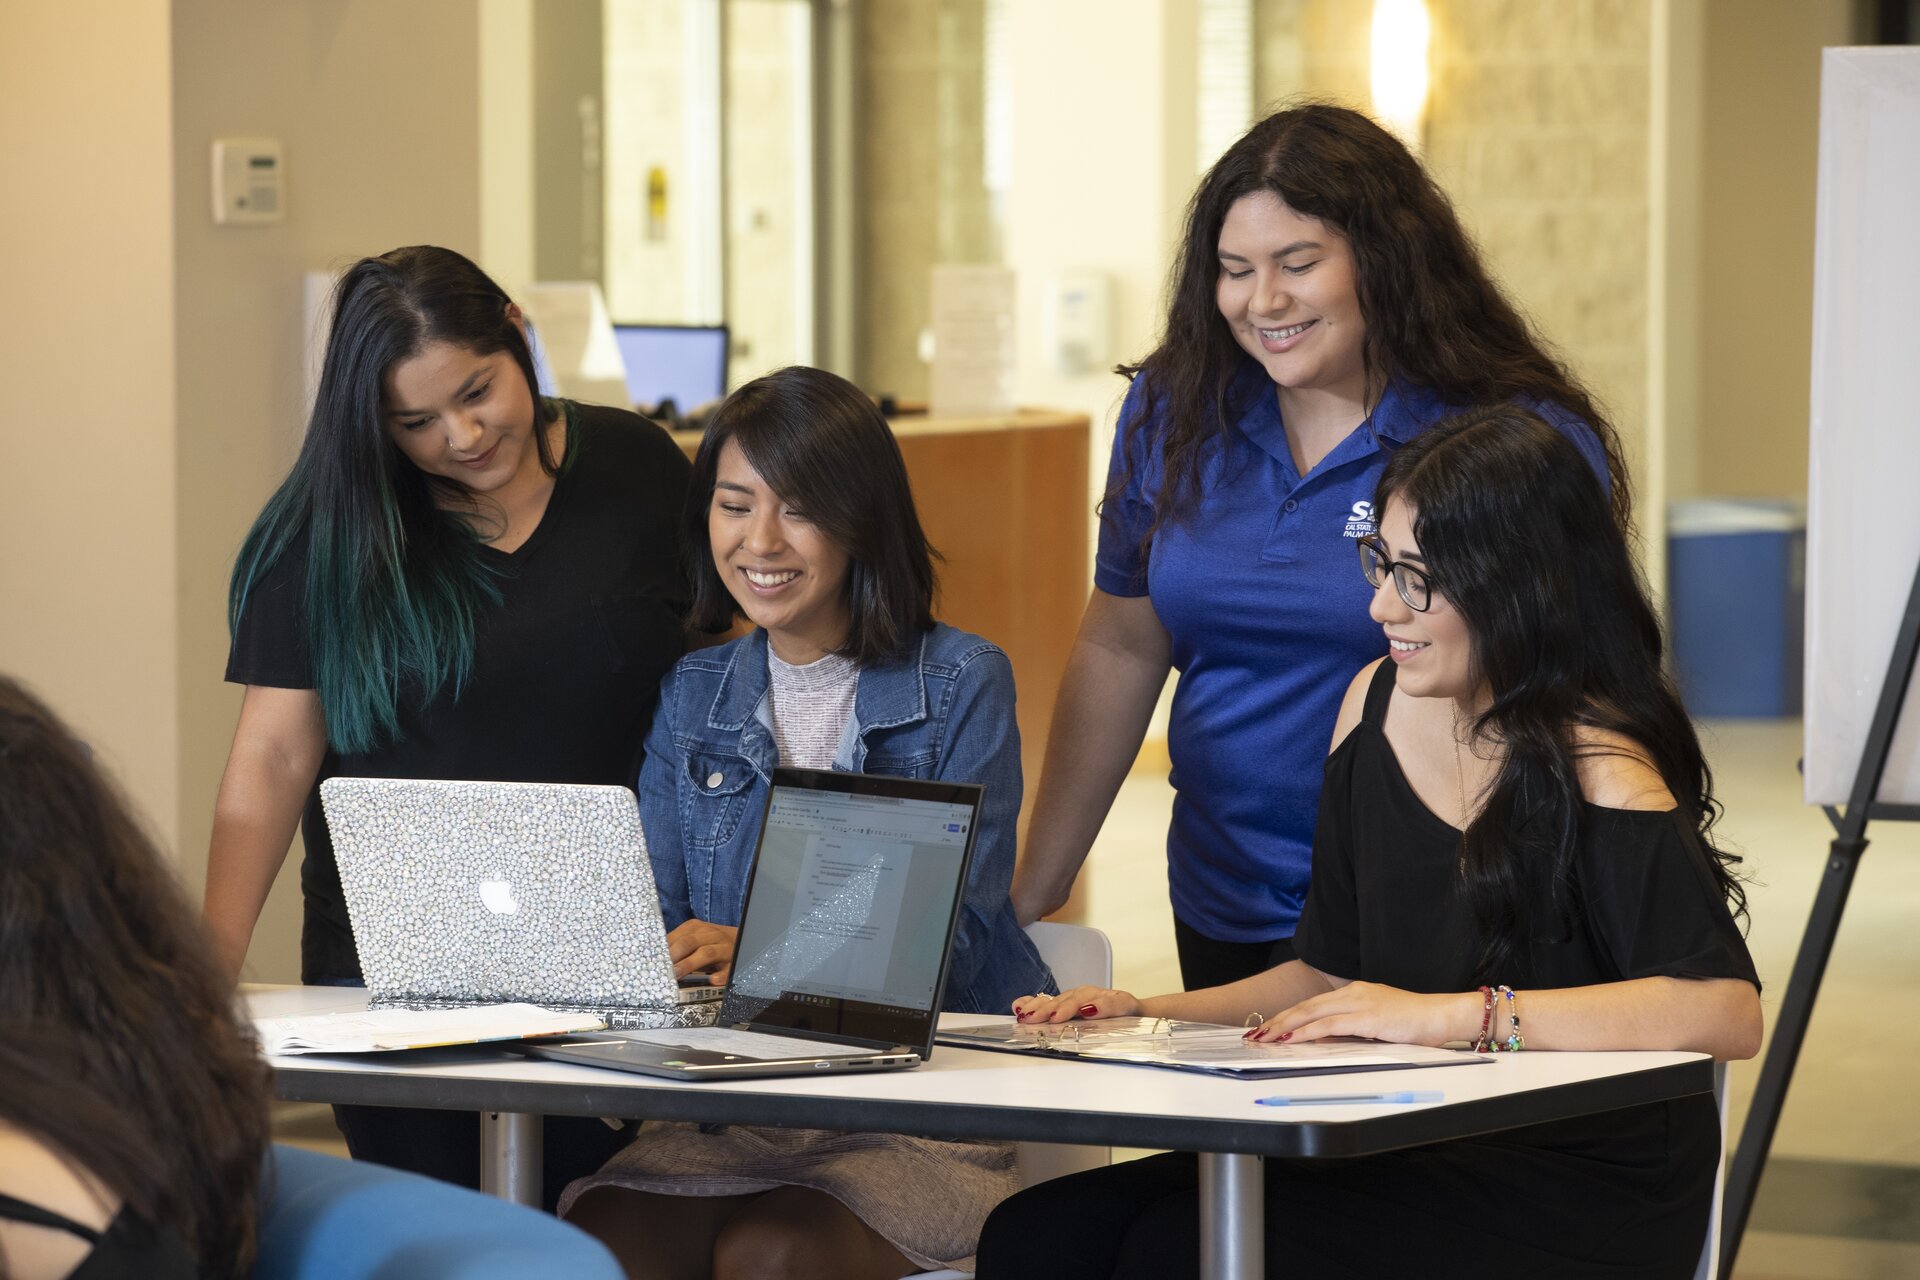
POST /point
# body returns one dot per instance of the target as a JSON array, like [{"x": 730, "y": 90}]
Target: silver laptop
[
  {"x": 845, "y": 936},
  {"x": 467, "y": 893}
]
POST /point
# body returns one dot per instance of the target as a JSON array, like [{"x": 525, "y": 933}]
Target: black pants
[
  {"x": 446, "y": 1144},
  {"x": 1209, "y": 962},
  {"x": 1136, "y": 1219},
  {"x": 1429, "y": 1212}
]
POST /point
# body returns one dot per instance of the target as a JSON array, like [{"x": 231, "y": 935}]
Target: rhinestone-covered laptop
[{"x": 481, "y": 892}]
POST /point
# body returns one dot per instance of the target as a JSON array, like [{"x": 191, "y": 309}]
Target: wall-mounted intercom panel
[{"x": 249, "y": 182}]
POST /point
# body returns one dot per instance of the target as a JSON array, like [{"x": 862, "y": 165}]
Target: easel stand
[{"x": 1843, "y": 859}]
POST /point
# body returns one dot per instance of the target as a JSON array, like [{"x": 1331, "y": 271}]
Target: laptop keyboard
[
  {"x": 617, "y": 1017},
  {"x": 689, "y": 1014},
  {"x": 754, "y": 1044}
]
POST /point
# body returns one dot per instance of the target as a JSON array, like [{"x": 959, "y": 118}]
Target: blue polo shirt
[{"x": 1261, "y": 593}]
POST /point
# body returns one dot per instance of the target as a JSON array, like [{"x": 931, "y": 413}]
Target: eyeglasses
[{"x": 1409, "y": 580}]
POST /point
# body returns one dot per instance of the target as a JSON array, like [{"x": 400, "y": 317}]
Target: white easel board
[{"x": 1863, "y": 510}]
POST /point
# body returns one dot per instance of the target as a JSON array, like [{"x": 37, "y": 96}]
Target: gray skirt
[{"x": 929, "y": 1199}]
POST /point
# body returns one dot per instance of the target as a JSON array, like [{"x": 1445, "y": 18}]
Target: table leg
[
  {"x": 1232, "y": 1236},
  {"x": 510, "y": 1156}
]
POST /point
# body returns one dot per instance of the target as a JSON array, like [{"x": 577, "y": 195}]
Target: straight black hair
[
  {"x": 1521, "y": 541},
  {"x": 822, "y": 446}
]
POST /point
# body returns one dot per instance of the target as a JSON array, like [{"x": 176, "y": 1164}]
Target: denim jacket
[{"x": 946, "y": 713}]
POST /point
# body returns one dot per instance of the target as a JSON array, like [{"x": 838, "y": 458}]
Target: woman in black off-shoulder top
[{"x": 1514, "y": 850}]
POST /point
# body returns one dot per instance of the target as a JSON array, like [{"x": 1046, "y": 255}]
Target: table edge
[{"x": 713, "y": 1102}]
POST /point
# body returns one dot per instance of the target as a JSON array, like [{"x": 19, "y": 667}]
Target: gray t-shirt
[{"x": 811, "y": 707}]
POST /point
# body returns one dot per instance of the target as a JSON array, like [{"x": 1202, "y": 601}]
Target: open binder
[{"x": 1207, "y": 1047}]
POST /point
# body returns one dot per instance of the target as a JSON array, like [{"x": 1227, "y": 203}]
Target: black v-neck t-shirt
[{"x": 566, "y": 669}]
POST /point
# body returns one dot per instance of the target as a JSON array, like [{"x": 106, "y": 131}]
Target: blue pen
[{"x": 1339, "y": 1099}]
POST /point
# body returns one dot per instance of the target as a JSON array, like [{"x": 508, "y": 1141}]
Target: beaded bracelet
[
  {"x": 1480, "y": 1041},
  {"x": 1514, "y": 1042}
]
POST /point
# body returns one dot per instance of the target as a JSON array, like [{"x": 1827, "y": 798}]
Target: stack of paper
[{"x": 379, "y": 1030}]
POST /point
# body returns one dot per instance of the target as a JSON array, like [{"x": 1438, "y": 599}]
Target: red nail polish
[
  {"x": 1286, "y": 1035},
  {"x": 1088, "y": 1010}
]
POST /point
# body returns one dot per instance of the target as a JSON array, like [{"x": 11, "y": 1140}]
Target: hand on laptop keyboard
[{"x": 699, "y": 946}]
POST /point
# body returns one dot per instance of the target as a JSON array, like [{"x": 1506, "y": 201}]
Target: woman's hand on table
[
  {"x": 698, "y": 946},
  {"x": 1374, "y": 1011},
  {"x": 1080, "y": 1002}
]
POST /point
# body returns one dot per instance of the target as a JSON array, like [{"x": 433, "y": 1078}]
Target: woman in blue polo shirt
[{"x": 1326, "y": 307}]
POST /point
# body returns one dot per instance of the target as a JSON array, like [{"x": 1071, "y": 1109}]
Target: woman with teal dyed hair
[{"x": 459, "y": 578}]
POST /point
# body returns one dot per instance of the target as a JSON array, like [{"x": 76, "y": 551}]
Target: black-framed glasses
[{"x": 1409, "y": 580}]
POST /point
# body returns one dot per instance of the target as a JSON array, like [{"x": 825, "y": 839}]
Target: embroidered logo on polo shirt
[{"x": 1360, "y": 522}]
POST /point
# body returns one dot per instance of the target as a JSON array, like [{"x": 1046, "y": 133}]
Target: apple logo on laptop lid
[{"x": 498, "y": 897}]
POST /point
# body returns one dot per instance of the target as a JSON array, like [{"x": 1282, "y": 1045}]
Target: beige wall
[
  {"x": 507, "y": 190},
  {"x": 87, "y": 346},
  {"x": 378, "y": 105},
  {"x": 1673, "y": 265},
  {"x": 646, "y": 278},
  {"x": 769, "y": 237},
  {"x": 1761, "y": 97},
  {"x": 1113, "y": 201},
  {"x": 920, "y": 109},
  {"x": 1543, "y": 130},
  {"x": 1312, "y": 48},
  {"x": 1537, "y": 128},
  {"x": 569, "y": 104}
]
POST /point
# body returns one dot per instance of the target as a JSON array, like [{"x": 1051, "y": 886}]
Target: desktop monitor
[{"x": 687, "y": 363}]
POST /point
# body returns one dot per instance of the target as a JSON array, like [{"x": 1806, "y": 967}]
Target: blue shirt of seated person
[{"x": 945, "y": 712}]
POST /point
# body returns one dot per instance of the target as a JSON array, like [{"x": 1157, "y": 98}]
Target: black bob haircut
[{"x": 822, "y": 446}]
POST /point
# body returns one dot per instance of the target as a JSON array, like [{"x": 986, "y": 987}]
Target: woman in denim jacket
[
  {"x": 801, "y": 518},
  {"x": 945, "y": 710}
]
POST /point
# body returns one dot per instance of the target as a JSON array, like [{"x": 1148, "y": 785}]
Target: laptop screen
[
  {"x": 684, "y": 363},
  {"x": 852, "y": 905}
]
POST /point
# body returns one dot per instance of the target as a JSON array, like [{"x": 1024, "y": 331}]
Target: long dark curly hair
[
  {"x": 119, "y": 1044},
  {"x": 1434, "y": 316},
  {"x": 1521, "y": 542}
]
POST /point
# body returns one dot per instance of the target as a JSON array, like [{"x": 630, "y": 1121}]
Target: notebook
[
  {"x": 465, "y": 893},
  {"x": 845, "y": 936},
  {"x": 384, "y": 1030}
]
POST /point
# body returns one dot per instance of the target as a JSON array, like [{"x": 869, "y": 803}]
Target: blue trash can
[{"x": 1736, "y": 594}]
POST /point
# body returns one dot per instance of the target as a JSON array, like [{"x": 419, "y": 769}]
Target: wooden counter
[{"x": 1004, "y": 501}]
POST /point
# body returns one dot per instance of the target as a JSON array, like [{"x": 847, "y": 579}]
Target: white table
[{"x": 965, "y": 1093}]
